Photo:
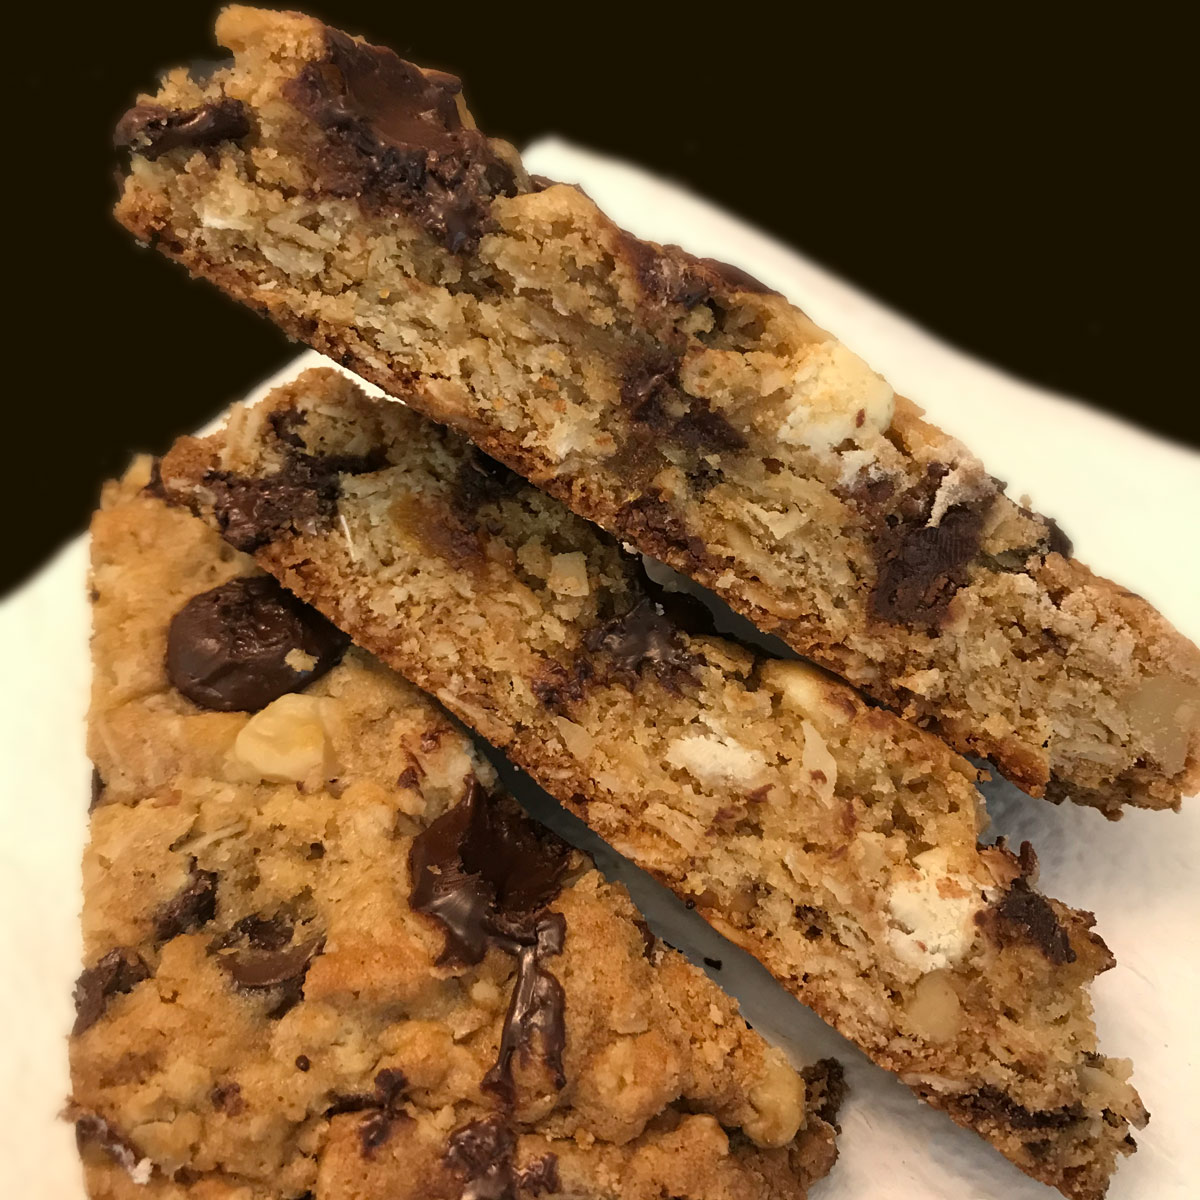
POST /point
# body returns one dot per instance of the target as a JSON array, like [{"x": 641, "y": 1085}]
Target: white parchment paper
[{"x": 1131, "y": 503}]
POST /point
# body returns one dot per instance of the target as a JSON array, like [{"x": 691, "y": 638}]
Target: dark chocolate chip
[
  {"x": 151, "y": 130},
  {"x": 1027, "y": 915},
  {"x": 991, "y": 1103},
  {"x": 393, "y": 138},
  {"x": 228, "y": 648},
  {"x": 651, "y": 522},
  {"x": 539, "y": 1177},
  {"x": 193, "y": 907},
  {"x": 117, "y": 973},
  {"x": 303, "y": 1062}
]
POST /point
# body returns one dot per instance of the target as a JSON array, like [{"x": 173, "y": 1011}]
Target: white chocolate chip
[
  {"x": 713, "y": 758},
  {"x": 835, "y": 398},
  {"x": 933, "y": 914},
  {"x": 286, "y": 741}
]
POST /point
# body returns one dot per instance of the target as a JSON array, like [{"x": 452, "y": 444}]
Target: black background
[{"x": 1018, "y": 183}]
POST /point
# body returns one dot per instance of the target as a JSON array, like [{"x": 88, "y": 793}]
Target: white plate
[{"x": 1128, "y": 500}]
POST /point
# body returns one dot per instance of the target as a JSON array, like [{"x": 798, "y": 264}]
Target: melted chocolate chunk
[
  {"x": 643, "y": 637},
  {"x": 921, "y": 567},
  {"x": 193, "y": 907},
  {"x": 482, "y": 1154},
  {"x": 537, "y": 1005},
  {"x": 393, "y": 137},
  {"x": 151, "y": 130},
  {"x": 300, "y": 498},
  {"x": 261, "y": 933},
  {"x": 651, "y": 522},
  {"x": 991, "y": 1102},
  {"x": 651, "y": 392},
  {"x": 1027, "y": 915},
  {"x": 116, "y": 974},
  {"x": 251, "y": 969},
  {"x": 485, "y": 873},
  {"x": 228, "y": 648}
]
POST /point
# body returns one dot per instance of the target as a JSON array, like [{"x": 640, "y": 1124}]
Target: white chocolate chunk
[{"x": 835, "y": 397}]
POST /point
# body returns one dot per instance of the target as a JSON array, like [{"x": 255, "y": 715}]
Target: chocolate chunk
[
  {"x": 642, "y": 637},
  {"x": 667, "y": 274},
  {"x": 227, "y": 1098},
  {"x": 228, "y": 648},
  {"x": 485, "y": 873},
  {"x": 255, "y": 969},
  {"x": 444, "y": 889},
  {"x": 261, "y": 933},
  {"x": 1027, "y": 915},
  {"x": 196, "y": 905},
  {"x": 151, "y": 130},
  {"x": 299, "y": 499},
  {"x": 920, "y": 567},
  {"x": 116, "y": 974},
  {"x": 92, "y": 1128},
  {"x": 393, "y": 137},
  {"x": 482, "y": 480},
  {"x": 537, "y": 1006}
]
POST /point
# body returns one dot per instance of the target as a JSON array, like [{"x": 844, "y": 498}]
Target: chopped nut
[
  {"x": 1162, "y": 711},
  {"x": 577, "y": 739},
  {"x": 286, "y": 741},
  {"x": 778, "y": 1102},
  {"x": 568, "y": 575},
  {"x": 934, "y": 1008}
]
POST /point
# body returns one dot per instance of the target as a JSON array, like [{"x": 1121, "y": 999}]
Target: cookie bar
[
  {"x": 674, "y": 401},
  {"x": 325, "y": 960},
  {"x": 831, "y": 839}
]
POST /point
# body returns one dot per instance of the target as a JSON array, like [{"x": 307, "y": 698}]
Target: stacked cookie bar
[{"x": 297, "y": 857}]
